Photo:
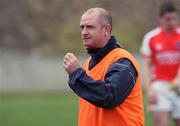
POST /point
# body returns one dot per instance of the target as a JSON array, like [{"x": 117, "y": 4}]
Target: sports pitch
[{"x": 53, "y": 109}]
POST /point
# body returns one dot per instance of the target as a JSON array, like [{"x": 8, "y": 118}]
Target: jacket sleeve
[{"x": 119, "y": 81}]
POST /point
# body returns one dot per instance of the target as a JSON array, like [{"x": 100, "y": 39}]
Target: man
[
  {"x": 161, "y": 54},
  {"x": 109, "y": 82}
]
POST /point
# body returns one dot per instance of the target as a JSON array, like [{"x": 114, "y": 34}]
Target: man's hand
[
  {"x": 71, "y": 63},
  {"x": 152, "y": 97},
  {"x": 175, "y": 85}
]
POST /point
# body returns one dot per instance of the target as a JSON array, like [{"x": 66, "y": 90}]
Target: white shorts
[{"x": 167, "y": 100}]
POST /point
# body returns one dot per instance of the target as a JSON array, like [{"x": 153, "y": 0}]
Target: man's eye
[
  {"x": 87, "y": 27},
  {"x": 90, "y": 26},
  {"x": 82, "y": 27}
]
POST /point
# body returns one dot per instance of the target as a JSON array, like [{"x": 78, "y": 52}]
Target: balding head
[{"x": 103, "y": 15}]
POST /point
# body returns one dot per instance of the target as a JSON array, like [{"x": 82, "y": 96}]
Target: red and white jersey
[{"x": 164, "y": 50}]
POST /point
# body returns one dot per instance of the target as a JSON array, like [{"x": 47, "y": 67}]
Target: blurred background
[{"x": 35, "y": 35}]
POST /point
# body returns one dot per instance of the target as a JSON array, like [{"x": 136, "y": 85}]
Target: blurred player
[{"x": 161, "y": 54}]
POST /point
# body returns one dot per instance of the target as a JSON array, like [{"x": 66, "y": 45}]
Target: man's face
[
  {"x": 92, "y": 31},
  {"x": 169, "y": 20}
]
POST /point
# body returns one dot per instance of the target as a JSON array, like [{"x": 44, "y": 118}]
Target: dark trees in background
[{"x": 52, "y": 26}]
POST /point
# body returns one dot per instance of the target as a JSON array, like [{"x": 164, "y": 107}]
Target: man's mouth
[{"x": 86, "y": 39}]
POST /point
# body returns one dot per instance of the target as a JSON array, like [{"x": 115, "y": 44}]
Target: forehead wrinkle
[
  {"x": 103, "y": 16},
  {"x": 88, "y": 20}
]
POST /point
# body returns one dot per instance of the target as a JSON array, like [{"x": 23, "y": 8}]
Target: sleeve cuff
[{"x": 75, "y": 75}]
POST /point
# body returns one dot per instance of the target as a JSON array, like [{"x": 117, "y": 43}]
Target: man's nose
[{"x": 84, "y": 31}]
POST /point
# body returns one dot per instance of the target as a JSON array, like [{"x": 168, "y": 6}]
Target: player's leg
[
  {"x": 160, "y": 118},
  {"x": 177, "y": 122},
  {"x": 176, "y": 109},
  {"x": 163, "y": 106}
]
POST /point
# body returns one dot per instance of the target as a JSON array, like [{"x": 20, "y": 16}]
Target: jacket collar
[{"x": 98, "y": 52}]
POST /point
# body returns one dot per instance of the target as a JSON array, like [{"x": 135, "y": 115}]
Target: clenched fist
[{"x": 71, "y": 63}]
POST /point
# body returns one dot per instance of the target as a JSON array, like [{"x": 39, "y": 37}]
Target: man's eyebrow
[{"x": 88, "y": 26}]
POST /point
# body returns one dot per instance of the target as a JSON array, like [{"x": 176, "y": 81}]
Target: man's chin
[{"x": 87, "y": 44}]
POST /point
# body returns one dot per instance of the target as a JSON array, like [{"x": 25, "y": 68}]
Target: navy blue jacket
[{"x": 119, "y": 80}]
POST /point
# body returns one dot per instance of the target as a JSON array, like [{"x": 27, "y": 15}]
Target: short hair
[
  {"x": 104, "y": 15},
  {"x": 166, "y": 7}
]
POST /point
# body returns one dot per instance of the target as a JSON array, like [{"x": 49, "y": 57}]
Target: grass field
[{"x": 42, "y": 110}]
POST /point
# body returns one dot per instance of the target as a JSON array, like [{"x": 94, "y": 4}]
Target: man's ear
[{"x": 108, "y": 29}]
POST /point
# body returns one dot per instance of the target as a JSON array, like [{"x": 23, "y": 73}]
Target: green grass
[
  {"x": 38, "y": 110},
  {"x": 43, "y": 110}
]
